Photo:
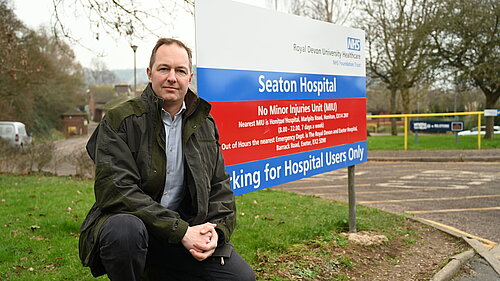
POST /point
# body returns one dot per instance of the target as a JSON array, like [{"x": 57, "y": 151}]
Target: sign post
[
  {"x": 289, "y": 103},
  {"x": 352, "y": 198}
]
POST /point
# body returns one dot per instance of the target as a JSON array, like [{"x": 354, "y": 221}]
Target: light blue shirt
[{"x": 174, "y": 176}]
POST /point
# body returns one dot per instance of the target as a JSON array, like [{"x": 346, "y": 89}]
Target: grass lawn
[
  {"x": 427, "y": 141},
  {"x": 40, "y": 218}
]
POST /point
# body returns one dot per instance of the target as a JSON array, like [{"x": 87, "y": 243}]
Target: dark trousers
[{"x": 128, "y": 252}]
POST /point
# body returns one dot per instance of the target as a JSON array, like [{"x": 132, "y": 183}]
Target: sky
[{"x": 116, "y": 53}]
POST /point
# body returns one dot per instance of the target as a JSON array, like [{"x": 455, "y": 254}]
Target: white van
[{"x": 15, "y": 133}]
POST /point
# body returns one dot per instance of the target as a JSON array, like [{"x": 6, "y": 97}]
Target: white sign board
[
  {"x": 491, "y": 112},
  {"x": 288, "y": 93}
]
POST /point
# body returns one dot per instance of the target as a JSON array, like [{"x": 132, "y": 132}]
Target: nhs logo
[{"x": 353, "y": 44}]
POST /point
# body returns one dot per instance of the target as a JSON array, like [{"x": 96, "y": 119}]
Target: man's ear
[
  {"x": 191, "y": 77},
  {"x": 148, "y": 72}
]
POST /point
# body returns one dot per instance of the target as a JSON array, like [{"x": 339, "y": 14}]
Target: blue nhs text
[{"x": 353, "y": 44}]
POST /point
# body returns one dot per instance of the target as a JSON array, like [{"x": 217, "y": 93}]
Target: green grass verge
[
  {"x": 40, "y": 218},
  {"x": 430, "y": 142}
]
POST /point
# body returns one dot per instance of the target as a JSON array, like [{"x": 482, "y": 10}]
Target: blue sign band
[
  {"x": 256, "y": 175},
  {"x": 249, "y": 85}
]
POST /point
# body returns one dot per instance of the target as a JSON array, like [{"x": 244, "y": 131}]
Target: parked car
[
  {"x": 473, "y": 131},
  {"x": 15, "y": 133}
]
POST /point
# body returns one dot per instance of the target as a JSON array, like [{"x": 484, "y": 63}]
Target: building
[
  {"x": 103, "y": 97},
  {"x": 75, "y": 123}
]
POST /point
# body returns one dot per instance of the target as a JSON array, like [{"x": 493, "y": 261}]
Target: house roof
[
  {"x": 74, "y": 112},
  {"x": 122, "y": 88}
]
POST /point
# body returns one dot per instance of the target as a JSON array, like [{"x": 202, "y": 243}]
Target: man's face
[{"x": 170, "y": 75}]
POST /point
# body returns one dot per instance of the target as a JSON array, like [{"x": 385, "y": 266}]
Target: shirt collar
[{"x": 181, "y": 110}]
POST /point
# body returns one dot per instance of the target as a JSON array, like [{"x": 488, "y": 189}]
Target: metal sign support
[{"x": 352, "y": 198}]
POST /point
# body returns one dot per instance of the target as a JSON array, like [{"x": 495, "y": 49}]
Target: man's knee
[
  {"x": 123, "y": 243},
  {"x": 123, "y": 232},
  {"x": 246, "y": 273}
]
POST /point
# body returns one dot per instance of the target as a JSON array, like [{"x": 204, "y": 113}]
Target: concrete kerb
[
  {"x": 435, "y": 159},
  {"x": 484, "y": 253},
  {"x": 456, "y": 262},
  {"x": 470, "y": 155},
  {"x": 452, "y": 268}
]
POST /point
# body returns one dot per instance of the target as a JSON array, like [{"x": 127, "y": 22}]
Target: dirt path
[{"x": 414, "y": 256}]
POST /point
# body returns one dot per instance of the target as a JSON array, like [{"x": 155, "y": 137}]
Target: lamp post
[{"x": 134, "y": 48}]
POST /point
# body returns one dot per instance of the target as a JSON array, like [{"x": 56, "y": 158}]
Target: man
[{"x": 164, "y": 209}]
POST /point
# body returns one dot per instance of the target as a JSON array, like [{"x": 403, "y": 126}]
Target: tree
[
  {"x": 468, "y": 42},
  {"x": 334, "y": 11},
  {"x": 397, "y": 34},
  {"x": 125, "y": 18},
  {"x": 12, "y": 61},
  {"x": 59, "y": 86},
  {"x": 99, "y": 74},
  {"x": 39, "y": 79}
]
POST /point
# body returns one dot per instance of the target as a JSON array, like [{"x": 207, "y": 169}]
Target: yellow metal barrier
[{"x": 406, "y": 116}]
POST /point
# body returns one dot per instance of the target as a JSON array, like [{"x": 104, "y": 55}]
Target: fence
[{"x": 406, "y": 116}]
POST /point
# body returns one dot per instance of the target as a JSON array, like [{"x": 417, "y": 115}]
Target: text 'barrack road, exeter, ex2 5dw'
[{"x": 288, "y": 93}]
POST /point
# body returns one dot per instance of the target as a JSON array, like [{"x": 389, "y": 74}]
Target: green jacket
[{"x": 128, "y": 149}]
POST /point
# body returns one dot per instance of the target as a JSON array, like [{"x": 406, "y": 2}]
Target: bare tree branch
[
  {"x": 117, "y": 18},
  {"x": 334, "y": 11}
]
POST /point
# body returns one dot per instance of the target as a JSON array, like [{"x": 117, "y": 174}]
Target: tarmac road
[{"x": 460, "y": 195}]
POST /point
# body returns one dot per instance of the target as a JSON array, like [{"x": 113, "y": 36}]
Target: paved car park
[{"x": 461, "y": 196}]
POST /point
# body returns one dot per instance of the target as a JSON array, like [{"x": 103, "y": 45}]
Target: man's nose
[{"x": 171, "y": 76}]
